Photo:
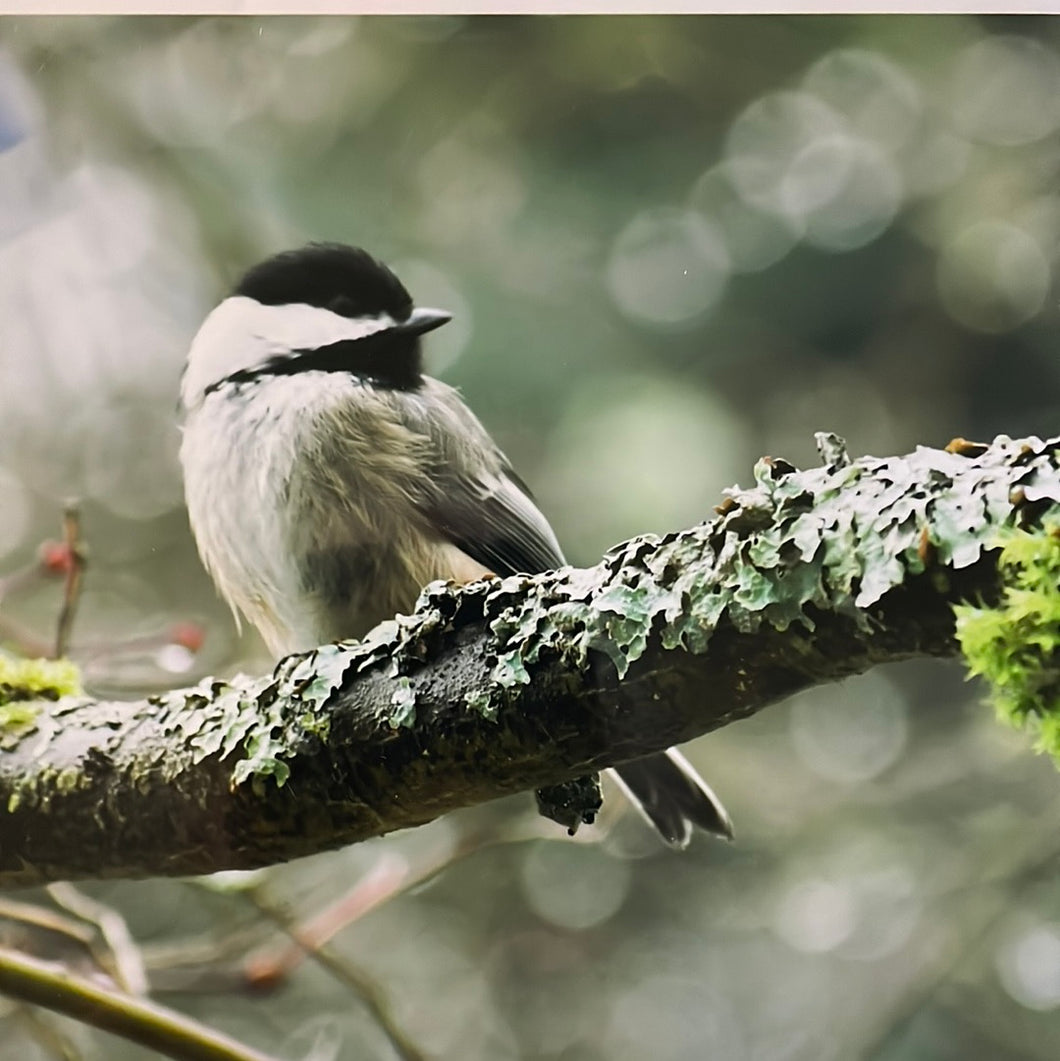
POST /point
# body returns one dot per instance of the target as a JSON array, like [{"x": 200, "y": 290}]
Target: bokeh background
[{"x": 671, "y": 245}]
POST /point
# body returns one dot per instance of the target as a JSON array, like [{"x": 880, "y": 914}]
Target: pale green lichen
[
  {"x": 836, "y": 537},
  {"x": 403, "y": 702},
  {"x": 1015, "y": 646},
  {"x": 260, "y": 719}
]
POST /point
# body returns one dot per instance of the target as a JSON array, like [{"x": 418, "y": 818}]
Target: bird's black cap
[{"x": 333, "y": 276}]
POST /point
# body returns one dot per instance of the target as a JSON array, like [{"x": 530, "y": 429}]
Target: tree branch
[
  {"x": 156, "y": 1027},
  {"x": 508, "y": 685}
]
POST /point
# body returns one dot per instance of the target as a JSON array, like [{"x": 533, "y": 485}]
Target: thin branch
[
  {"x": 46, "y": 1035},
  {"x": 390, "y": 877},
  {"x": 1019, "y": 864},
  {"x": 169, "y": 1033},
  {"x": 355, "y": 979},
  {"x": 74, "y": 578},
  {"x": 122, "y": 959},
  {"x": 271, "y": 965},
  {"x": 40, "y": 917}
]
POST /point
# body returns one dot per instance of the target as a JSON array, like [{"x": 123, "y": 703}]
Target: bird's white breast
[
  {"x": 238, "y": 452},
  {"x": 289, "y": 480}
]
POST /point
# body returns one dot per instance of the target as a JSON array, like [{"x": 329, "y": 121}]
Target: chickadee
[{"x": 328, "y": 480}]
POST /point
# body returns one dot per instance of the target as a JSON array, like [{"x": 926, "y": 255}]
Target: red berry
[
  {"x": 55, "y": 557},
  {"x": 189, "y": 635}
]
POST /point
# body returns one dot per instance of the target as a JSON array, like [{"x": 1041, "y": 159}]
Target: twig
[
  {"x": 390, "y": 877},
  {"x": 24, "y": 642},
  {"x": 126, "y": 961},
  {"x": 1027, "y": 861},
  {"x": 41, "y": 917},
  {"x": 271, "y": 964},
  {"x": 346, "y": 973},
  {"x": 156, "y": 1027},
  {"x": 74, "y": 577},
  {"x": 46, "y": 1035}
]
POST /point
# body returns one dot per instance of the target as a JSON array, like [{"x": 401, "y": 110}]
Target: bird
[{"x": 328, "y": 479}]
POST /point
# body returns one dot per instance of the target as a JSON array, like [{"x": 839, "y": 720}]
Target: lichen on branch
[{"x": 514, "y": 684}]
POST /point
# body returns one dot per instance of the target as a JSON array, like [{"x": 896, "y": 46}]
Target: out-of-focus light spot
[
  {"x": 1029, "y": 966},
  {"x": 852, "y": 731},
  {"x": 668, "y": 267},
  {"x": 334, "y": 83},
  {"x": 756, "y": 239},
  {"x": 429, "y": 286},
  {"x": 175, "y": 659},
  {"x": 993, "y": 276},
  {"x": 651, "y": 457},
  {"x": 932, "y": 161},
  {"x": 792, "y": 155},
  {"x": 91, "y": 311},
  {"x": 889, "y": 907},
  {"x": 670, "y": 1018},
  {"x": 847, "y": 190},
  {"x": 469, "y": 193},
  {"x": 1006, "y": 90},
  {"x": 1040, "y": 219},
  {"x": 767, "y": 137},
  {"x": 191, "y": 91},
  {"x": 538, "y": 977},
  {"x": 130, "y": 462},
  {"x": 880, "y": 101},
  {"x": 574, "y": 886},
  {"x": 421, "y": 951},
  {"x": 14, "y": 526},
  {"x": 816, "y": 915}
]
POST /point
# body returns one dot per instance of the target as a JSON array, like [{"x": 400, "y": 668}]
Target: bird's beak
[{"x": 424, "y": 320}]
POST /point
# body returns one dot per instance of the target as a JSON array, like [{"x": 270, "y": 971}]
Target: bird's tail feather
[{"x": 666, "y": 789}]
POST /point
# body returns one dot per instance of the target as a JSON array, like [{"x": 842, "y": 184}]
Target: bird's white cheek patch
[{"x": 242, "y": 334}]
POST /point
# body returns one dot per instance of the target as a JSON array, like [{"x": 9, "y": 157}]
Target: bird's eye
[{"x": 343, "y": 305}]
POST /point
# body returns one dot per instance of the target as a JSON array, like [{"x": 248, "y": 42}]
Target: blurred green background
[{"x": 671, "y": 245}]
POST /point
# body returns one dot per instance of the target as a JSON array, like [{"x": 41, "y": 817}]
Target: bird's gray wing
[
  {"x": 482, "y": 507},
  {"x": 477, "y": 502},
  {"x": 494, "y": 520}
]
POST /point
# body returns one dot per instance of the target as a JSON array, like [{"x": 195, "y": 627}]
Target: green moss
[
  {"x": 1014, "y": 645},
  {"x": 17, "y": 716},
  {"x": 37, "y": 679},
  {"x": 24, "y": 683}
]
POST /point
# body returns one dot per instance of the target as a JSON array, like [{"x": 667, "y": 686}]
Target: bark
[{"x": 510, "y": 685}]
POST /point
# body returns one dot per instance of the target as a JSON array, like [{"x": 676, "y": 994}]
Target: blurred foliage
[{"x": 670, "y": 245}]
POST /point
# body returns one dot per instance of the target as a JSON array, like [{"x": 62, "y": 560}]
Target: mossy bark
[{"x": 510, "y": 685}]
